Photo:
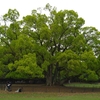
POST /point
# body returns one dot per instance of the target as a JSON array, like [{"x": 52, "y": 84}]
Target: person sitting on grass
[{"x": 19, "y": 90}]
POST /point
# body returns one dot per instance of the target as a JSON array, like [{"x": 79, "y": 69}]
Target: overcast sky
[{"x": 87, "y": 9}]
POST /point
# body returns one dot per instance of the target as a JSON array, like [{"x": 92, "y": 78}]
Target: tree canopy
[{"x": 55, "y": 45}]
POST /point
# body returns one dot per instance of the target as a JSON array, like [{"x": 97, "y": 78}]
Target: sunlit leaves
[{"x": 25, "y": 67}]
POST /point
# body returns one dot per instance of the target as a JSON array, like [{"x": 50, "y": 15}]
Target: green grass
[
  {"x": 87, "y": 85},
  {"x": 48, "y": 96}
]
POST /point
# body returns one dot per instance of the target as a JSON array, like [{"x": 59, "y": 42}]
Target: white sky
[{"x": 87, "y": 9}]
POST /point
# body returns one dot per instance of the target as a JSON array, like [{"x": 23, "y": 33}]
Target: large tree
[
  {"x": 55, "y": 34},
  {"x": 54, "y": 45}
]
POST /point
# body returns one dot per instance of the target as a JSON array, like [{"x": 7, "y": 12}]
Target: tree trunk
[
  {"x": 56, "y": 76},
  {"x": 49, "y": 76}
]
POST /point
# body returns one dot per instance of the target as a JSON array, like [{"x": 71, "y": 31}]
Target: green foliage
[
  {"x": 25, "y": 68},
  {"x": 89, "y": 76},
  {"x": 74, "y": 66},
  {"x": 12, "y": 15}
]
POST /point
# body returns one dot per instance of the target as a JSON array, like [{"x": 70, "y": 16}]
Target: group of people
[{"x": 8, "y": 87}]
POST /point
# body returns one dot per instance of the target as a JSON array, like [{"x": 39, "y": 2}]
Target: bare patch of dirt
[{"x": 57, "y": 89}]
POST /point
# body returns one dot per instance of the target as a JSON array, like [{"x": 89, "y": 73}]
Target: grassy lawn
[
  {"x": 87, "y": 85},
  {"x": 48, "y": 96},
  {"x": 4, "y": 95}
]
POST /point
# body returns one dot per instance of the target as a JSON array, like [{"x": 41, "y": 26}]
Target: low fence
[
  {"x": 43, "y": 88},
  {"x": 2, "y": 86}
]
